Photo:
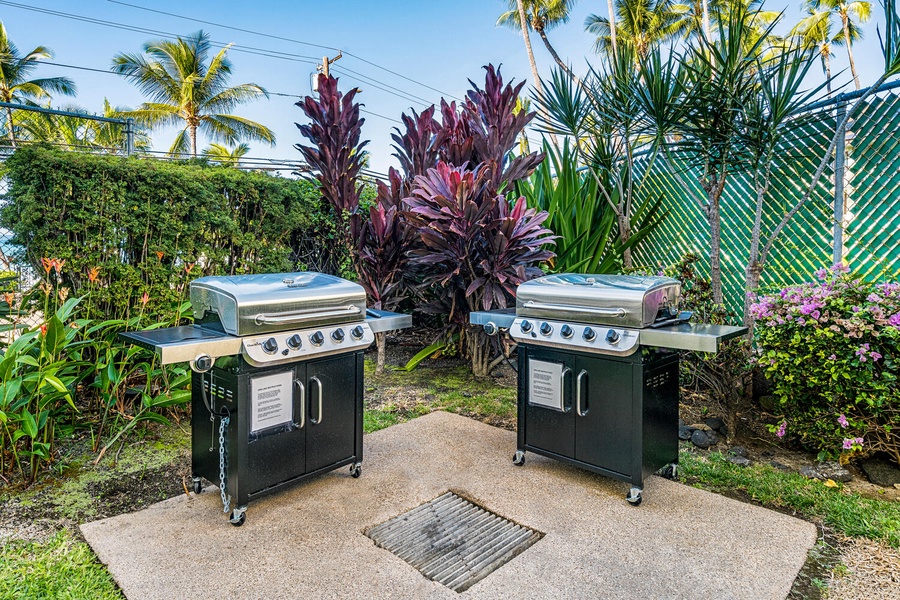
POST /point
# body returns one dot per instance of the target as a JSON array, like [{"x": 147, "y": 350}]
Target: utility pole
[{"x": 326, "y": 62}]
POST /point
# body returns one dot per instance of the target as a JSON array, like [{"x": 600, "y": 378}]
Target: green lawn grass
[
  {"x": 61, "y": 568},
  {"x": 836, "y": 507}
]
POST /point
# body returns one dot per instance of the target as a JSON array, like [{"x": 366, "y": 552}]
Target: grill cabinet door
[
  {"x": 330, "y": 384},
  {"x": 279, "y": 454},
  {"x": 604, "y": 428},
  {"x": 546, "y": 428}
]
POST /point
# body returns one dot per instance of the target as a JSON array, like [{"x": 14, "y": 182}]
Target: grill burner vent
[{"x": 453, "y": 541}]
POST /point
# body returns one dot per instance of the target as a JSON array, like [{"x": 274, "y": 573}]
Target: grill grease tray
[{"x": 453, "y": 541}]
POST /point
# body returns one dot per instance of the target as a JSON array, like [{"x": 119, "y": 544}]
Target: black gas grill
[
  {"x": 598, "y": 370},
  {"x": 277, "y": 389}
]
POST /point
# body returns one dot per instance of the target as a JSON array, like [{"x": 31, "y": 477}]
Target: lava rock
[
  {"x": 741, "y": 461},
  {"x": 715, "y": 423},
  {"x": 809, "y": 472},
  {"x": 780, "y": 466},
  {"x": 685, "y": 432},
  {"x": 724, "y": 430},
  {"x": 835, "y": 471},
  {"x": 738, "y": 451},
  {"x": 767, "y": 402},
  {"x": 881, "y": 472},
  {"x": 713, "y": 437},
  {"x": 701, "y": 439},
  {"x": 826, "y": 470}
]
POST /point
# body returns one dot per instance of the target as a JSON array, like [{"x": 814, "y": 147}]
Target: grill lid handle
[
  {"x": 606, "y": 312},
  {"x": 300, "y": 316}
]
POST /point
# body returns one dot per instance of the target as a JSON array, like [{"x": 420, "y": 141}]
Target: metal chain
[{"x": 226, "y": 499}]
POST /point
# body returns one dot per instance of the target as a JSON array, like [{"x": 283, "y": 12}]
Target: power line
[{"x": 276, "y": 37}]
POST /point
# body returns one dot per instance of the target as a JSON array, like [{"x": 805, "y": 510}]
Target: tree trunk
[
  {"x": 845, "y": 20},
  {"x": 534, "y": 72},
  {"x": 9, "y": 123},
  {"x": 826, "y": 67},
  {"x": 380, "y": 339},
  {"x": 556, "y": 57},
  {"x": 193, "y": 134},
  {"x": 479, "y": 351},
  {"x": 624, "y": 236},
  {"x": 707, "y": 33},
  {"x": 612, "y": 28},
  {"x": 715, "y": 244}
]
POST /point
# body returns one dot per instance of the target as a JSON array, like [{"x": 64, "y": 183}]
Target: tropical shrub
[
  {"x": 832, "y": 351},
  {"x": 126, "y": 226},
  {"x": 584, "y": 221},
  {"x": 476, "y": 248}
]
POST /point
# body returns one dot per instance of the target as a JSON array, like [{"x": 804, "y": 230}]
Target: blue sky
[{"x": 436, "y": 45}]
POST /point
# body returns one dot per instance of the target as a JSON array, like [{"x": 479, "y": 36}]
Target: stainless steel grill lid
[
  {"x": 618, "y": 300},
  {"x": 244, "y": 305}
]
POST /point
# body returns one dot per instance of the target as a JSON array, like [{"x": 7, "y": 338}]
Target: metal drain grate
[{"x": 453, "y": 541}]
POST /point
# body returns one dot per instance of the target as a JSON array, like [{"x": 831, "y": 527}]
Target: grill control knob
[
  {"x": 546, "y": 328},
  {"x": 317, "y": 338},
  {"x": 589, "y": 334},
  {"x": 612, "y": 336},
  {"x": 357, "y": 332},
  {"x": 270, "y": 346},
  {"x": 295, "y": 341},
  {"x": 566, "y": 331},
  {"x": 526, "y": 326},
  {"x": 337, "y": 335},
  {"x": 203, "y": 363}
]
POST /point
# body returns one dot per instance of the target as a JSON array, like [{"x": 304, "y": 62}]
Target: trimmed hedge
[{"x": 150, "y": 226}]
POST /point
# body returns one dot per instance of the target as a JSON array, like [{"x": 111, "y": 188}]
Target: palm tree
[
  {"x": 540, "y": 16},
  {"x": 15, "y": 87},
  {"x": 184, "y": 88},
  {"x": 815, "y": 32},
  {"x": 859, "y": 10},
  {"x": 640, "y": 24},
  {"x": 225, "y": 156}
]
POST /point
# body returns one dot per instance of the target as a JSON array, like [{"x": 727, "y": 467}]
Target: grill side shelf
[
  {"x": 697, "y": 337},
  {"x": 184, "y": 343},
  {"x": 384, "y": 320}
]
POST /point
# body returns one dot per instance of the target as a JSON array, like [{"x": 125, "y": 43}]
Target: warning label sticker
[
  {"x": 545, "y": 384},
  {"x": 271, "y": 401}
]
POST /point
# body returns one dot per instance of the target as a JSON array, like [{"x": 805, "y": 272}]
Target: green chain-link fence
[{"x": 870, "y": 229}]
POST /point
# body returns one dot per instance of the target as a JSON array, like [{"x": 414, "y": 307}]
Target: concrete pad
[{"x": 307, "y": 541}]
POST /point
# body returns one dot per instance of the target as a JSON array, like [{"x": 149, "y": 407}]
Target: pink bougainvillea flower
[
  {"x": 842, "y": 421},
  {"x": 782, "y": 429}
]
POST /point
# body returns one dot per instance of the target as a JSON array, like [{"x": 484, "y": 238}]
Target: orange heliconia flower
[
  {"x": 9, "y": 298},
  {"x": 46, "y": 288},
  {"x": 160, "y": 254},
  {"x": 48, "y": 264},
  {"x": 189, "y": 267},
  {"x": 63, "y": 293},
  {"x": 43, "y": 329},
  {"x": 58, "y": 265},
  {"x": 145, "y": 299},
  {"x": 93, "y": 273}
]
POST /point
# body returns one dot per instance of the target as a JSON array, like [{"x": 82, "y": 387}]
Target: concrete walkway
[{"x": 307, "y": 541}]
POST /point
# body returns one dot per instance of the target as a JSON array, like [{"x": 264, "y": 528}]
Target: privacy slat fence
[{"x": 870, "y": 229}]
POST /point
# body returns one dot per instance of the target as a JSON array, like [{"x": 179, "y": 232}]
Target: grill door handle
[
  {"x": 317, "y": 421},
  {"x": 606, "y": 312},
  {"x": 300, "y": 316},
  {"x": 578, "y": 405},
  {"x": 302, "y": 402}
]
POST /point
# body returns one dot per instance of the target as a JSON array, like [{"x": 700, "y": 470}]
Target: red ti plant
[
  {"x": 381, "y": 252},
  {"x": 477, "y": 247},
  {"x": 336, "y": 152}
]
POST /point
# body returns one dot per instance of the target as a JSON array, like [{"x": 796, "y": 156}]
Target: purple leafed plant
[
  {"x": 476, "y": 247},
  {"x": 336, "y": 152}
]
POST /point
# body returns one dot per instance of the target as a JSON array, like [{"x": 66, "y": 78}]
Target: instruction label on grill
[
  {"x": 545, "y": 384},
  {"x": 271, "y": 400}
]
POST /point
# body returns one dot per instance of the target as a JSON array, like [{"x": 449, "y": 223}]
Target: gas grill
[
  {"x": 598, "y": 370},
  {"x": 277, "y": 388}
]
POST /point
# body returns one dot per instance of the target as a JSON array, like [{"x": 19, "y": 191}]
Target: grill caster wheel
[
  {"x": 355, "y": 470},
  {"x": 519, "y": 458},
  {"x": 635, "y": 495},
  {"x": 197, "y": 485},
  {"x": 238, "y": 516},
  {"x": 669, "y": 471}
]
